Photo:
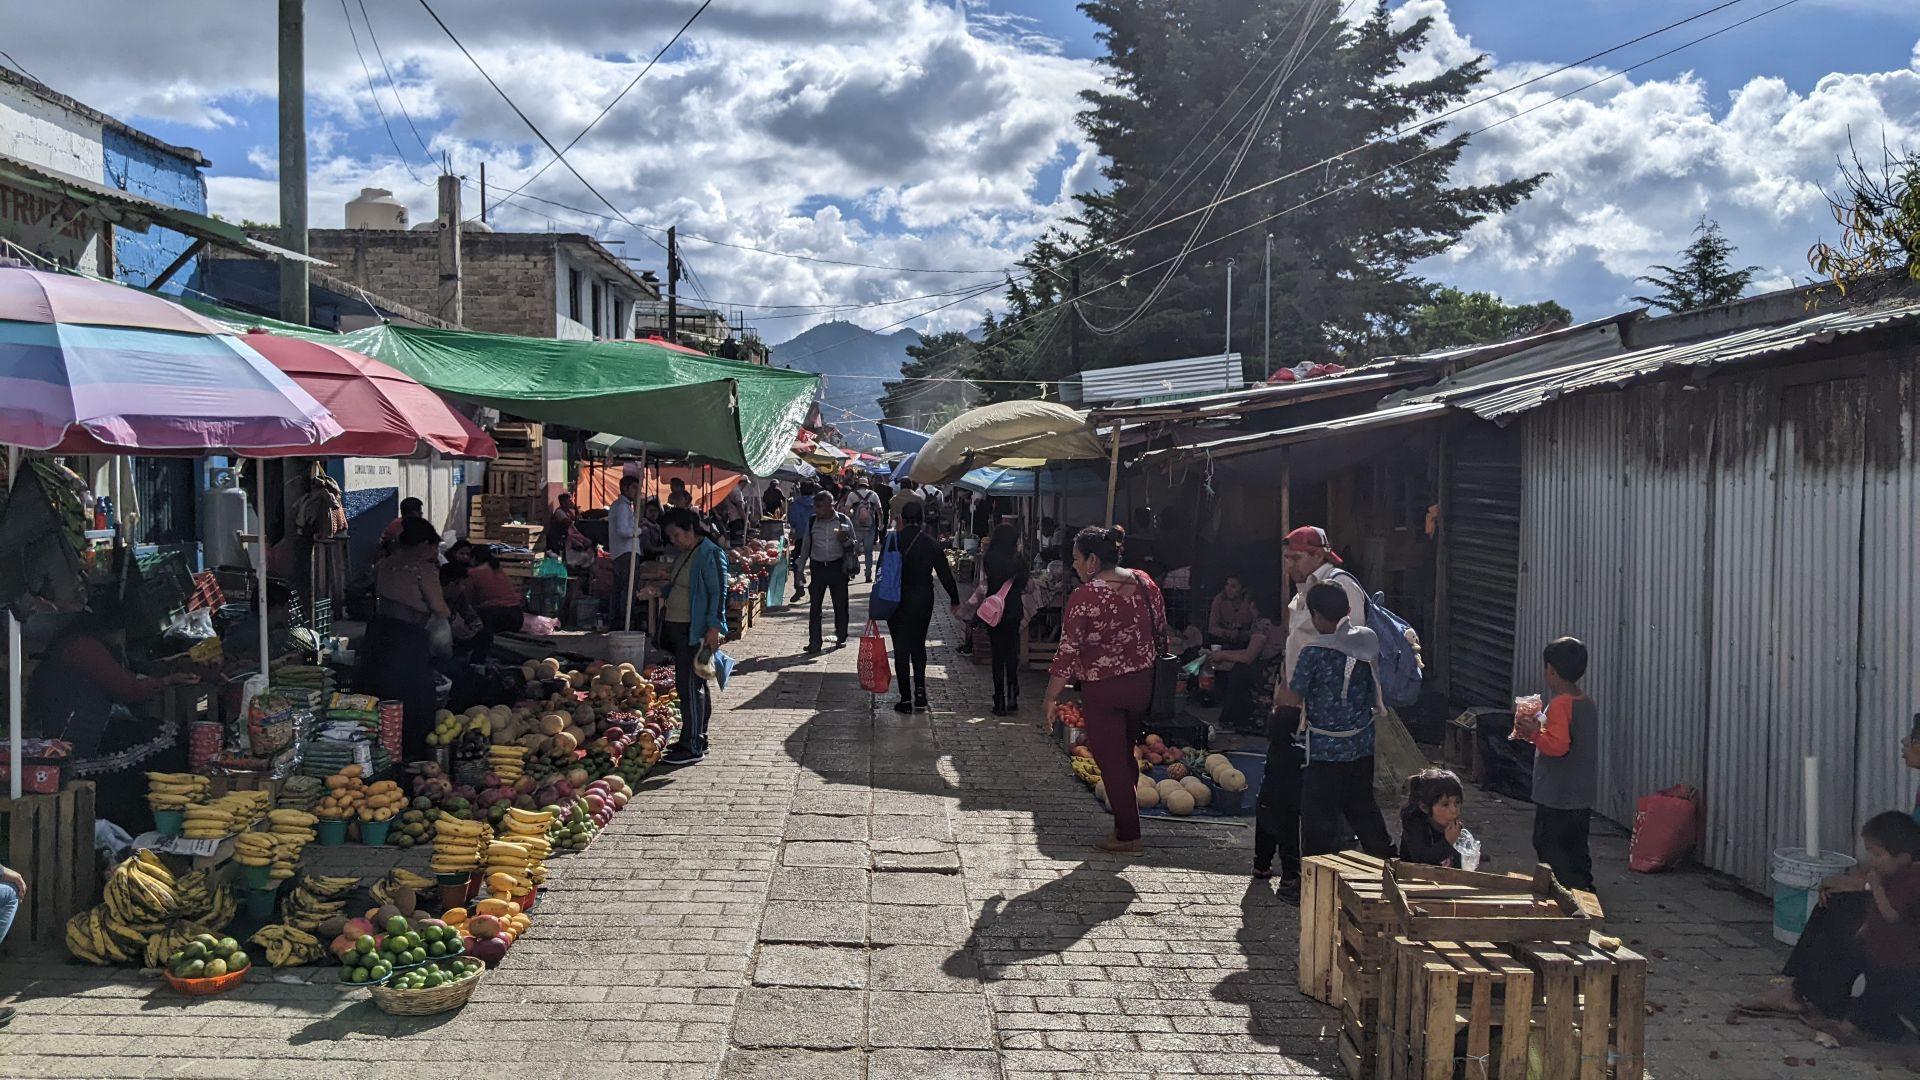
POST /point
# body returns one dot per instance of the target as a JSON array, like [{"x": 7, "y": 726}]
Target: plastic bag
[
  {"x": 875, "y": 673},
  {"x": 1469, "y": 848},
  {"x": 1666, "y": 825}
]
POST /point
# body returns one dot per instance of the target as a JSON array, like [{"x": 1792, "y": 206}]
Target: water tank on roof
[{"x": 376, "y": 208}]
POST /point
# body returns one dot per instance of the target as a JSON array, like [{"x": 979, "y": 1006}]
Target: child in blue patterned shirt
[{"x": 1339, "y": 699}]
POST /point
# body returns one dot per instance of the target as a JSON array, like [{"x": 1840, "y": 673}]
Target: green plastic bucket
[
  {"x": 374, "y": 833},
  {"x": 333, "y": 831},
  {"x": 1796, "y": 886}
]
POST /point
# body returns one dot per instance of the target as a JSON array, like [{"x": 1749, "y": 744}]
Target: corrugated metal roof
[
  {"x": 1509, "y": 398},
  {"x": 1133, "y": 382},
  {"x": 1235, "y": 445},
  {"x": 136, "y": 212}
]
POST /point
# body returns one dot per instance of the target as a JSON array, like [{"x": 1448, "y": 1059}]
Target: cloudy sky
[{"x": 924, "y": 135}]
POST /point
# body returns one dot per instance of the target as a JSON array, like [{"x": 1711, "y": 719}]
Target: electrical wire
[
  {"x": 375, "y": 95},
  {"x": 17, "y": 67},
  {"x": 616, "y": 98},
  {"x": 391, "y": 83}
]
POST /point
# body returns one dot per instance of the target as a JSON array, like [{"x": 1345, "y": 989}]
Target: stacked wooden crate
[
  {"x": 1441, "y": 973},
  {"x": 515, "y": 489}
]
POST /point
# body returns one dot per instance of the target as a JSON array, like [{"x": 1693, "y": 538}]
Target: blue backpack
[
  {"x": 885, "y": 599},
  {"x": 1398, "y": 671}
]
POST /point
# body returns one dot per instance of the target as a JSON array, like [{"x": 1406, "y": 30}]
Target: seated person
[
  {"x": 1232, "y": 615},
  {"x": 1243, "y": 674}
]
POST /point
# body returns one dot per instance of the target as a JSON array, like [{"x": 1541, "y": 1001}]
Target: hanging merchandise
[{"x": 43, "y": 546}]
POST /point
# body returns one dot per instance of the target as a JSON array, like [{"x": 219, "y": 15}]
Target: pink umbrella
[{"x": 131, "y": 372}]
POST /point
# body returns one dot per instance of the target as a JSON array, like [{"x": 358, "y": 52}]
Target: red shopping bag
[
  {"x": 875, "y": 673},
  {"x": 1665, "y": 826}
]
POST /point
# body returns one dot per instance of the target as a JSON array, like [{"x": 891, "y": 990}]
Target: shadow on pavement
[{"x": 1046, "y": 921}]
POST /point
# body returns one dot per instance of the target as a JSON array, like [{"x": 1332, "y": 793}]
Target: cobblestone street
[{"x": 843, "y": 892}]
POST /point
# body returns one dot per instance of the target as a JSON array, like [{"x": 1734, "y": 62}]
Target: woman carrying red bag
[{"x": 1111, "y": 634}]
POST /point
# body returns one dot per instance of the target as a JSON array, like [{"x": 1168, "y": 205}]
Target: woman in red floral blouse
[{"x": 1114, "y": 627}]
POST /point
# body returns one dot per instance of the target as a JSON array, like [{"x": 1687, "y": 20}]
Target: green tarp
[{"x": 744, "y": 416}]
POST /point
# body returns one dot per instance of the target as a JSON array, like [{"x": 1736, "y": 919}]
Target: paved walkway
[{"x": 839, "y": 891}]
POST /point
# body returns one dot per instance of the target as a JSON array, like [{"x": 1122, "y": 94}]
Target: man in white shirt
[{"x": 623, "y": 541}]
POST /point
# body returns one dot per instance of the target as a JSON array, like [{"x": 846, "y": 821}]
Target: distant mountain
[{"x": 856, "y": 364}]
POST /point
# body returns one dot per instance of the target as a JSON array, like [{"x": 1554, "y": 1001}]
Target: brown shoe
[{"x": 1119, "y": 847}]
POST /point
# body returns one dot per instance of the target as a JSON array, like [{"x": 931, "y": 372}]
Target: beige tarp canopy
[{"x": 1016, "y": 434}]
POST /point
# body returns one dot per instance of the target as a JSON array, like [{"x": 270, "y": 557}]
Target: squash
[
  {"x": 1179, "y": 802},
  {"x": 565, "y": 743},
  {"x": 1146, "y": 795},
  {"x": 552, "y": 724},
  {"x": 1232, "y": 779},
  {"x": 1202, "y": 794}
]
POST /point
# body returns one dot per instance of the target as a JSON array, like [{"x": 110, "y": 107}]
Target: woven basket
[
  {"x": 218, "y": 984},
  {"x": 425, "y": 1002}
]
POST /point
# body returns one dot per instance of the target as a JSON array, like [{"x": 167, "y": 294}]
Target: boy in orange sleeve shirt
[{"x": 1566, "y": 758}]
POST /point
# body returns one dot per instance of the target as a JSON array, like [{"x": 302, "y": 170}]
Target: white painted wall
[
  {"x": 435, "y": 481},
  {"x": 40, "y": 133}
]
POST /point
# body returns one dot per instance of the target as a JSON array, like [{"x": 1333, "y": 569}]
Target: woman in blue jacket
[{"x": 694, "y": 616}]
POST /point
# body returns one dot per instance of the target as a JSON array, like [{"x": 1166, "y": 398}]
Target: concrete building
[
  {"x": 549, "y": 285},
  {"x": 46, "y": 131}
]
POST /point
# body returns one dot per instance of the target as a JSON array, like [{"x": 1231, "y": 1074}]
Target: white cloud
[{"x": 1635, "y": 163}]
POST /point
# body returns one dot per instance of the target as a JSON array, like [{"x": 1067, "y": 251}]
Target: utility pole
[
  {"x": 293, "y": 159},
  {"x": 1228, "y": 351},
  {"x": 483, "y": 193},
  {"x": 1073, "y": 322},
  {"x": 449, "y": 302},
  {"x": 673, "y": 284},
  {"x": 1266, "y": 371}
]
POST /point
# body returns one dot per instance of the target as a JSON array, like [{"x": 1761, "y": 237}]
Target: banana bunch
[
  {"x": 507, "y": 860},
  {"x": 528, "y": 828},
  {"x": 229, "y": 814},
  {"x": 176, "y": 791},
  {"x": 507, "y": 762},
  {"x": 457, "y": 844},
  {"x": 193, "y": 899},
  {"x": 293, "y": 823},
  {"x": 1085, "y": 770},
  {"x": 87, "y": 939},
  {"x": 287, "y": 945},
  {"x": 139, "y": 896},
  {"x": 329, "y": 888},
  {"x": 221, "y": 910},
  {"x": 254, "y": 849},
  {"x": 408, "y": 879},
  {"x": 307, "y": 911}
]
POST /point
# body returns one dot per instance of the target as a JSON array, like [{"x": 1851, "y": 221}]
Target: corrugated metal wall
[
  {"x": 1482, "y": 550},
  {"x": 1740, "y": 561}
]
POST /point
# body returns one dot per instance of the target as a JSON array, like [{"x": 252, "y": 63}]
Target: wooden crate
[
  {"x": 512, "y": 482},
  {"x": 1452, "y": 1009},
  {"x": 49, "y": 841},
  {"x": 1037, "y": 654},
  {"x": 1435, "y": 903},
  {"x": 522, "y": 534},
  {"x": 1459, "y": 744},
  {"x": 1591, "y": 1003},
  {"x": 1320, "y": 913}
]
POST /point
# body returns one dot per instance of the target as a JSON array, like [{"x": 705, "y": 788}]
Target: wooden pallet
[
  {"x": 1452, "y": 1009},
  {"x": 512, "y": 482},
  {"x": 49, "y": 841},
  {"x": 1320, "y": 877}
]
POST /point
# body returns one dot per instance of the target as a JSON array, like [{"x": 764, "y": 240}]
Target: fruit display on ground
[
  {"x": 143, "y": 902},
  {"x": 204, "y": 956},
  {"x": 434, "y": 976},
  {"x": 1191, "y": 780}
]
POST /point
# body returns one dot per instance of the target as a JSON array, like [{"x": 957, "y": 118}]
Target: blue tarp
[
  {"x": 897, "y": 439},
  {"x": 999, "y": 480}
]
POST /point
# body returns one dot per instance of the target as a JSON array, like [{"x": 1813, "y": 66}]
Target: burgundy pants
[{"x": 1116, "y": 712}]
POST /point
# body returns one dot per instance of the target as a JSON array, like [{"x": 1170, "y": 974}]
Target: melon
[
  {"x": 1179, "y": 802},
  {"x": 552, "y": 724},
  {"x": 1232, "y": 779},
  {"x": 1216, "y": 762},
  {"x": 1202, "y": 794},
  {"x": 1145, "y": 794},
  {"x": 1165, "y": 786}
]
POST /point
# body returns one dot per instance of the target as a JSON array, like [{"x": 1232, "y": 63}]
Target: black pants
[
  {"x": 909, "y": 631},
  {"x": 1005, "y": 639},
  {"x": 1336, "y": 801},
  {"x": 1242, "y": 682},
  {"x": 1828, "y": 958},
  {"x": 696, "y": 703},
  {"x": 493, "y": 620},
  {"x": 1560, "y": 841},
  {"x": 1276, "y": 821},
  {"x": 822, "y": 578}
]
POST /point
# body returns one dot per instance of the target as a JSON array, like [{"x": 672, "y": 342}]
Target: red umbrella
[{"x": 385, "y": 413}]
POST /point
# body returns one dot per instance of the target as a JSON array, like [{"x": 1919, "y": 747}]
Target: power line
[
  {"x": 1429, "y": 150},
  {"x": 616, "y": 98},
  {"x": 18, "y": 67},
  {"x": 375, "y": 95},
  {"x": 391, "y": 83}
]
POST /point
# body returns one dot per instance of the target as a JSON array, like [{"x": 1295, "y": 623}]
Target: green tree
[
  {"x": 1705, "y": 276},
  {"x": 1451, "y": 317},
  {"x": 1878, "y": 211},
  {"x": 1351, "y": 222}
]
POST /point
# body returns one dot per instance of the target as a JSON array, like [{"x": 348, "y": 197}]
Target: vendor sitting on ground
[
  {"x": 1247, "y": 672},
  {"x": 83, "y": 692}
]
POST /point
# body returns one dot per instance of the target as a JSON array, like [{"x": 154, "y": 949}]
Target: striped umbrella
[{"x": 135, "y": 372}]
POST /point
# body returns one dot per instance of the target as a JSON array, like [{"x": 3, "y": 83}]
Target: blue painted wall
[{"x": 143, "y": 170}]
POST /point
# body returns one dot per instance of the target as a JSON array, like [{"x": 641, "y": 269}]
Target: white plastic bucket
[
  {"x": 1796, "y": 886},
  {"x": 971, "y": 543},
  {"x": 627, "y": 647}
]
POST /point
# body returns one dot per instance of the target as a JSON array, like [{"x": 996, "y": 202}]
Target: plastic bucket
[
  {"x": 257, "y": 877},
  {"x": 627, "y": 647},
  {"x": 260, "y": 902},
  {"x": 169, "y": 822},
  {"x": 1796, "y": 886},
  {"x": 374, "y": 833},
  {"x": 333, "y": 831}
]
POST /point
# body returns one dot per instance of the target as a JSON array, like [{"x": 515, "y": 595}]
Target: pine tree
[
  {"x": 1453, "y": 318},
  {"x": 1705, "y": 276},
  {"x": 1314, "y": 88}
]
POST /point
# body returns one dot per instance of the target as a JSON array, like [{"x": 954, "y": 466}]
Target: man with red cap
[{"x": 1309, "y": 559}]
